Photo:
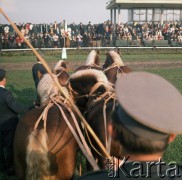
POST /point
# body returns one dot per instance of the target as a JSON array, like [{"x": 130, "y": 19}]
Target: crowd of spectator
[{"x": 56, "y": 35}]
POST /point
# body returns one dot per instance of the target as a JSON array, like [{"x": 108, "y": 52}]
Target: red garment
[{"x": 28, "y": 26}]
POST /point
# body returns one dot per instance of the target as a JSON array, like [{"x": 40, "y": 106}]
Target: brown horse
[
  {"x": 114, "y": 66},
  {"x": 94, "y": 95},
  {"x": 44, "y": 146},
  {"x": 92, "y": 62}
]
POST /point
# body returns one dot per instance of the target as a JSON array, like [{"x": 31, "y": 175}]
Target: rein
[
  {"x": 61, "y": 69},
  {"x": 106, "y": 97},
  {"x": 74, "y": 94},
  {"x": 113, "y": 66},
  {"x": 59, "y": 101}
]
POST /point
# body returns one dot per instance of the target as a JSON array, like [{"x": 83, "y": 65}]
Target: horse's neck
[{"x": 111, "y": 75}]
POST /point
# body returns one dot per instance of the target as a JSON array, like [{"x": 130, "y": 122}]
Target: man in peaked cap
[
  {"x": 146, "y": 119},
  {"x": 9, "y": 110}
]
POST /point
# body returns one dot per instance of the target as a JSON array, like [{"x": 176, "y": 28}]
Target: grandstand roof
[{"x": 127, "y": 4}]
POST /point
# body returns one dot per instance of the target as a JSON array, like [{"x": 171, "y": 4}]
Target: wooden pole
[{"x": 58, "y": 85}]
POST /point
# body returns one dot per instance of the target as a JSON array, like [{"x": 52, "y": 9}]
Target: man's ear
[
  {"x": 111, "y": 130},
  {"x": 171, "y": 138},
  {"x": 4, "y": 79}
]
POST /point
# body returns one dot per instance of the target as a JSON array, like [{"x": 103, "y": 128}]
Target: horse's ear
[
  {"x": 118, "y": 51},
  {"x": 64, "y": 65}
]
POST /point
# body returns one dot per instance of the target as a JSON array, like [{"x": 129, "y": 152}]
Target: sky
[{"x": 48, "y": 11}]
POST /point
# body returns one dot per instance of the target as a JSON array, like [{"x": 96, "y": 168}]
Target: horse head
[
  {"x": 92, "y": 61},
  {"x": 94, "y": 96},
  {"x": 60, "y": 70},
  {"x": 47, "y": 88},
  {"x": 112, "y": 57},
  {"x": 114, "y": 66},
  {"x": 84, "y": 83}
]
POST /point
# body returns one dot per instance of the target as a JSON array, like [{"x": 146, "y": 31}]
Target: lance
[{"x": 75, "y": 108}]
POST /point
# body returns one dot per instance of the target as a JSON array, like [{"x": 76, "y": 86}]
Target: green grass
[
  {"x": 22, "y": 85},
  {"x": 172, "y": 75},
  {"x": 21, "y": 82},
  {"x": 81, "y": 57},
  {"x": 152, "y": 57}
]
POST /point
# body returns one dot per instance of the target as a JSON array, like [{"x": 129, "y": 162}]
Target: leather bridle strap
[{"x": 82, "y": 143}]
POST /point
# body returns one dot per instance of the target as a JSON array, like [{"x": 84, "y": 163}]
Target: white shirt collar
[{"x": 2, "y": 86}]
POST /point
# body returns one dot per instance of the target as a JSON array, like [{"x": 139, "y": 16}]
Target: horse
[
  {"x": 94, "y": 96},
  {"x": 92, "y": 61},
  {"x": 114, "y": 66},
  {"x": 44, "y": 147}
]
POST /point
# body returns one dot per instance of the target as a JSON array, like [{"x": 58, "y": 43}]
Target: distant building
[{"x": 160, "y": 11}]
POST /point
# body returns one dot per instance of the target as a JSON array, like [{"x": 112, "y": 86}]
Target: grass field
[{"x": 20, "y": 80}]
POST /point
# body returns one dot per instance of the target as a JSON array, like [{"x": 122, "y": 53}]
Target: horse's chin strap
[{"x": 98, "y": 84}]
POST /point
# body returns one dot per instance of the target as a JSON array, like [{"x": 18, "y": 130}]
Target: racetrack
[{"x": 136, "y": 65}]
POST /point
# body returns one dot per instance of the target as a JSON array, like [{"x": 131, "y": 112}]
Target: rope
[
  {"x": 110, "y": 67},
  {"x": 82, "y": 143},
  {"x": 108, "y": 95},
  {"x": 88, "y": 137}
]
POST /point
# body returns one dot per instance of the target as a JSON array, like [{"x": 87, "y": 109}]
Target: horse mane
[
  {"x": 47, "y": 88},
  {"x": 116, "y": 58},
  {"x": 98, "y": 75},
  {"x": 90, "y": 58}
]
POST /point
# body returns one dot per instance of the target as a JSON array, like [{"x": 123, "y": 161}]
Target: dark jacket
[
  {"x": 37, "y": 71},
  {"x": 9, "y": 110}
]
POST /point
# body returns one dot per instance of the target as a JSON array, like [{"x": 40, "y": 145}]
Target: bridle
[
  {"x": 62, "y": 69},
  {"x": 113, "y": 66}
]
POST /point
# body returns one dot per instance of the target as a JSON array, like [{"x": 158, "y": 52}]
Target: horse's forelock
[
  {"x": 98, "y": 75},
  {"x": 116, "y": 58},
  {"x": 91, "y": 58}
]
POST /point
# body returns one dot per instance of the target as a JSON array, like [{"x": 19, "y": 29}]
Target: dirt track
[{"x": 72, "y": 66}]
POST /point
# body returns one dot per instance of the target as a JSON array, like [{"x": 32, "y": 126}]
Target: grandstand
[
  {"x": 147, "y": 10},
  {"x": 151, "y": 23}
]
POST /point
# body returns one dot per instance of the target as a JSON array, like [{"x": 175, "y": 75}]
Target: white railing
[{"x": 88, "y": 48}]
